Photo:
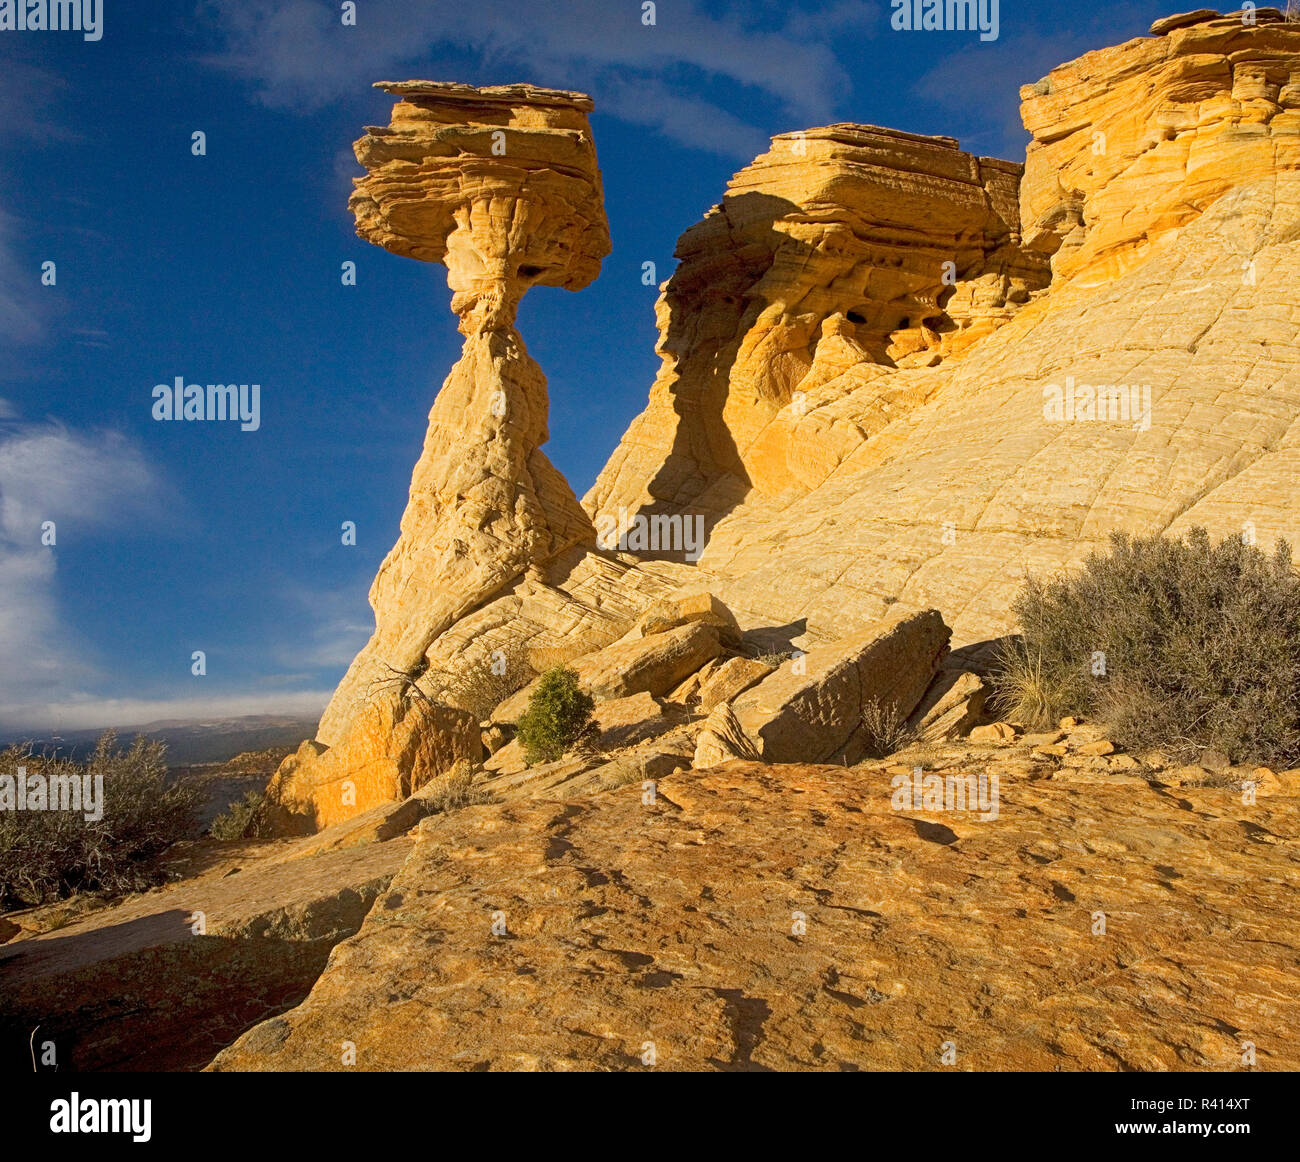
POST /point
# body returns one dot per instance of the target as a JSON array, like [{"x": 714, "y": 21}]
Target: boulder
[
  {"x": 951, "y": 708},
  {"x": 393, "y": 747},
  {"x": 648, "y": 665},
  {"x": 685, "y": 609},
  {"x": 734, "y": 676},
  {"x": 995, "y": 733},
  {"x": 811, "y": 708},
  {"x": 722, "y": 739}
]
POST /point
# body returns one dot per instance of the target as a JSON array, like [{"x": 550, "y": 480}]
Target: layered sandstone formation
[
  {"x": 501, "y": 186},
  {"x": 843, "y": 251},
  {"x": 841, "y": 480},
  {"x": 866, "y": 348},
  {"x": 1133, "y": 143}
]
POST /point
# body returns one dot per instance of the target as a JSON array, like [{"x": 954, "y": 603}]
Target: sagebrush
[
  {"x": 48, "y": 854},
  {"x": 1174, "y": 645}
]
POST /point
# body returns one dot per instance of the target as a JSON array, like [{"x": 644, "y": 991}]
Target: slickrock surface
[
  {"x": 501, "y": 186},
  {"x": 675, "y": 923},
  {"x": 133, "y": 986},
  {"x": 839, "y": 479}
]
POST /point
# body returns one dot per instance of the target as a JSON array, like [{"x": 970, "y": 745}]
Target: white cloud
[
  {"x": 89, "y": 713},
  {"x": 83, "y": 482},
  {"x": 297, "y": 55}
]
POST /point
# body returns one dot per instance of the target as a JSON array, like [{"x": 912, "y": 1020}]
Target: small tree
[{"x": 558, "y": 714}]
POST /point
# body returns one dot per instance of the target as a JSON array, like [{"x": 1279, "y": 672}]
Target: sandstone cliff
[{"x": 914, "y": 457}]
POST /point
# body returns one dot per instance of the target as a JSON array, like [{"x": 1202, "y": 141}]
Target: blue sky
[{"x": 172, "y": 538}]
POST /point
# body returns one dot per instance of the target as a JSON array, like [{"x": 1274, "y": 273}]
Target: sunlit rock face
[
  {"x": 1134, "y": 142},
  {"x": 850, "y": 467},
  {"x": 842, "y": 252}
]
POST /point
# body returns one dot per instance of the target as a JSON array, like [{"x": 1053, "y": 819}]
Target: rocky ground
[
  {"x": 757, "y": 917},
  {"x": 164, "y": 979},
  {"x": 1119, "y": 912}
]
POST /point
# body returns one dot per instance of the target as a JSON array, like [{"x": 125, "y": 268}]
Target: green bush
[
  {"x": 1176, "y": 645},
  {"x": 48, "y": 854},
  {"x": 558, "y": 714},
  {"x": 234, "y": 822}
]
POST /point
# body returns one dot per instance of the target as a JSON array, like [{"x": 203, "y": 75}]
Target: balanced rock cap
[{"x": 499, "y": 183}]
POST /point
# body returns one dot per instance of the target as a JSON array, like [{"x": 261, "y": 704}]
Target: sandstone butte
[{"x": 862, "y": 346}]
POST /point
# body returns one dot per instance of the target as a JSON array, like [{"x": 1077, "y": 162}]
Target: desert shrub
[
  {"x": 558, "y": 714},
  {"x": 1176, "y": 645},
  {"x": 235, "y": 822},
  {"x": 48, "y": 854},
  {"x": 886, "y": 730},
  {"x": 456, "y": 789},
  {"x": 775, "y": 660}
]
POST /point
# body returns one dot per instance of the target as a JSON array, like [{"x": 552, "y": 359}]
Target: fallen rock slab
[
  {"x": 734, "y": 676},
  {"x": 648, "y": 665},
  {"x": 811, "y": 708}
]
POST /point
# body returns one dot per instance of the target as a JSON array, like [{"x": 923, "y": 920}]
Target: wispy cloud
[
  {"x": 83, "y": 483},
  {"x": 23, "y": 315},
  {"x": 28, "y": 99},
  {"x": 340, "y": 624},
  {"x": 297, "y": 55},
  {"x": 986, "y": 117}
]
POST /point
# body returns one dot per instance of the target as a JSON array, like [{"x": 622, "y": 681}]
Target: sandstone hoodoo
[{"x": 500, "y": 185}]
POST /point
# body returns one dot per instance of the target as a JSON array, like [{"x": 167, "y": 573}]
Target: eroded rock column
[{"x": 501, "y": 186}]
